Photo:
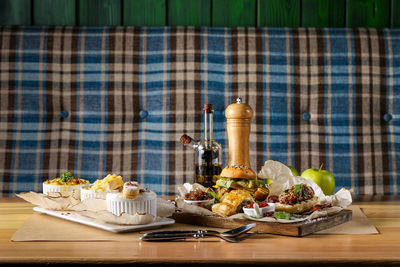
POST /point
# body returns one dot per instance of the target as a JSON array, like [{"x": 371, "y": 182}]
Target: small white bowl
[
  {"x": 258, "y": 212},
  {"x": 144, "y": 203},
  {"x": 87, "y": 193},
  {"x": 47, "y": 188},
  {"x": 200, "y": 203}
]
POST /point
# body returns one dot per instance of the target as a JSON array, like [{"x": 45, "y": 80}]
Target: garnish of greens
[
  {"x": 298, "y": 188},
  {"x": 224, "y": 182},
  {"x": 65, "y": 176},
  {"x": 211, "y": 193},
  {"x": 282, "y": 215},
  {"x": 260, "y": 183}
]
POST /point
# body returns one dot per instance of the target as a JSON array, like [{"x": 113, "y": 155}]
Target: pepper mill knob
[
  {"x": 238, "y": 120},
  {"x": 238, "y": 110}
]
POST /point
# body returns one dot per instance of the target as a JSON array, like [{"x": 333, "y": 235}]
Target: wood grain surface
[
  {"x": 226, "y": 13},
  {"x": 291, "y": 229},
  {"x": 54, "y": 12},
  {"x": 144, "y": 12},
  {"x": 15, "y": 12},
  {"x": 99, "y": 13},
  {"x": 324, "y": 13},
  {"x": 318, "y": 249},
  {"x": 189, "y": 12},
  {"x": 234, "y": 13},
  {"x": 368, "y": 13},
  {"x": 278, "y": 13}
]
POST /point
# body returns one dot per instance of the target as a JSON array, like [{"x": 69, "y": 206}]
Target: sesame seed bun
[{"x": 238, "y": 172}]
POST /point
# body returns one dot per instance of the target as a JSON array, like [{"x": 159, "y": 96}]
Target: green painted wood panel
[
  {"x": 395, "y": 16},
  {"x": 278, "y": 13},
  {"x": 189, "y": 12},
  {"x": 144, "y": 12},
  {"x": 323, "y": 13},
  {"x": 368, "y": 13},
  {"x": 54, "y": 12},
  {"x": 234, "y": 13},
  {"x": 99, "y": 12},
  {"x": 15, "y": 12}
]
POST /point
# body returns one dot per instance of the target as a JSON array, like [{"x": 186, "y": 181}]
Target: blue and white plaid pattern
[{"x": 95, "y": 101}]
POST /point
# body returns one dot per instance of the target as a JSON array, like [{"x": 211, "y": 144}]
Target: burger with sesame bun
[
  {"x": 241, "y": 178},
  {"x": 237, "y": 189}
]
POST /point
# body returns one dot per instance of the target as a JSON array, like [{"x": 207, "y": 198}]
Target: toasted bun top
[{"x": 238, "y": 172}]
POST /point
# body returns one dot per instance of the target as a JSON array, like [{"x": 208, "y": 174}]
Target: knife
[{"x": 179, "y": 232}]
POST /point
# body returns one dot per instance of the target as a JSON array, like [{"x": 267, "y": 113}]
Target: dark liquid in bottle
[{"x": 205, "y": 173}]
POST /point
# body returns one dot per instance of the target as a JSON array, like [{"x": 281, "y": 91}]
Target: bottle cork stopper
[{"x": 185, "y": 139}]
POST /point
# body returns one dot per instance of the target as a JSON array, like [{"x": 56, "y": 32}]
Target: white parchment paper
[{"x": 95, "y": 208}]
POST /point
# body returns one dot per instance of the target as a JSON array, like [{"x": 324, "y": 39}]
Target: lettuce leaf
[
  {"x": 225, "y": 182},
  {"x": 282, "y": 215},
  {"x": 260, "y": 182}
]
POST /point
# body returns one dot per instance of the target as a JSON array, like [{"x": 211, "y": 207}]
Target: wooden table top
[{"x": 382, "y": 248}]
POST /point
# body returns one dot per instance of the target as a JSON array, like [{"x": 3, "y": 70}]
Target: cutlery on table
[
  {"x": 234, "y": 239},
  {"x": 230, "y": 233},
  {"x": 233, "y": 235}
]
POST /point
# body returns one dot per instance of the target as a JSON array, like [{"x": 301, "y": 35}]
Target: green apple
[
  {"x": 294, "y": 171},
  {"x": 321, "y": 177}
]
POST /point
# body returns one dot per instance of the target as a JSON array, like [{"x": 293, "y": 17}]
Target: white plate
[{"x": 115, "y": 228}]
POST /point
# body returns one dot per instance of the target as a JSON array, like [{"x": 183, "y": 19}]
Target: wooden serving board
[{"x": 289, "y": 229}]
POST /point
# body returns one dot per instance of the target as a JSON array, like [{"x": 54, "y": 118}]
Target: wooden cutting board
[{"x": 289, "y": 229}]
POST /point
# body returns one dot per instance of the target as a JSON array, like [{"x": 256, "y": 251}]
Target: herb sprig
[{"x": 65, "y": 177}]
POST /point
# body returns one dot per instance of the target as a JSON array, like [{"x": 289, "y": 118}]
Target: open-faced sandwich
[{"x": 298, "y": 198}]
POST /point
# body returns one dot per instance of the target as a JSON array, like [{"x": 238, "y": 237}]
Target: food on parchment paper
[
  {"x": 101, "y": 187},
  {"x": 233, "y": 202},
  {"x": 257, "y": 188},
  {"x": 66, "y": 178},
  {"x": 298, "y": 198},
  {"x": 108, "y": 183},
  {"x": 66, "y": 182},
  {"x": 145, "y": 202},
  {"x": 130, "y": 190}
]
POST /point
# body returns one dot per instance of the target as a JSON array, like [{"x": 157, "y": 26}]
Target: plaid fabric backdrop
[{"x": 95, "y": 101}]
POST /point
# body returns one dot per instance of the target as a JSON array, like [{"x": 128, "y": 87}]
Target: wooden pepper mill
[{"x": 238, "y": 118}]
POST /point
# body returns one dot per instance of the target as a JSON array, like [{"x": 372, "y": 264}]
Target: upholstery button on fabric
[
  {"x": 387, "y": 117},
  {"x": 306, "y": 116},
  {"x": 143, "y": 114},
  {"x": 64, "y": 114}
]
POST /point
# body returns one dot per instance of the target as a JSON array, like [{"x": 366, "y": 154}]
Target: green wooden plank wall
[{"x": 229, "y": 13}]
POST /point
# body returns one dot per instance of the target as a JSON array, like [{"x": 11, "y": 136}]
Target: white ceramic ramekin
[
  {"x": 87, "y": 193},
  {"x": 258, "y": 212},
  {"x": 144, "y": 203},
  {"x": 47, "y": 188}
]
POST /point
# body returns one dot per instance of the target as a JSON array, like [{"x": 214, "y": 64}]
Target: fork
[
  {"x": 230, "y": 233},
  {"x": 197, "y": 235}
]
